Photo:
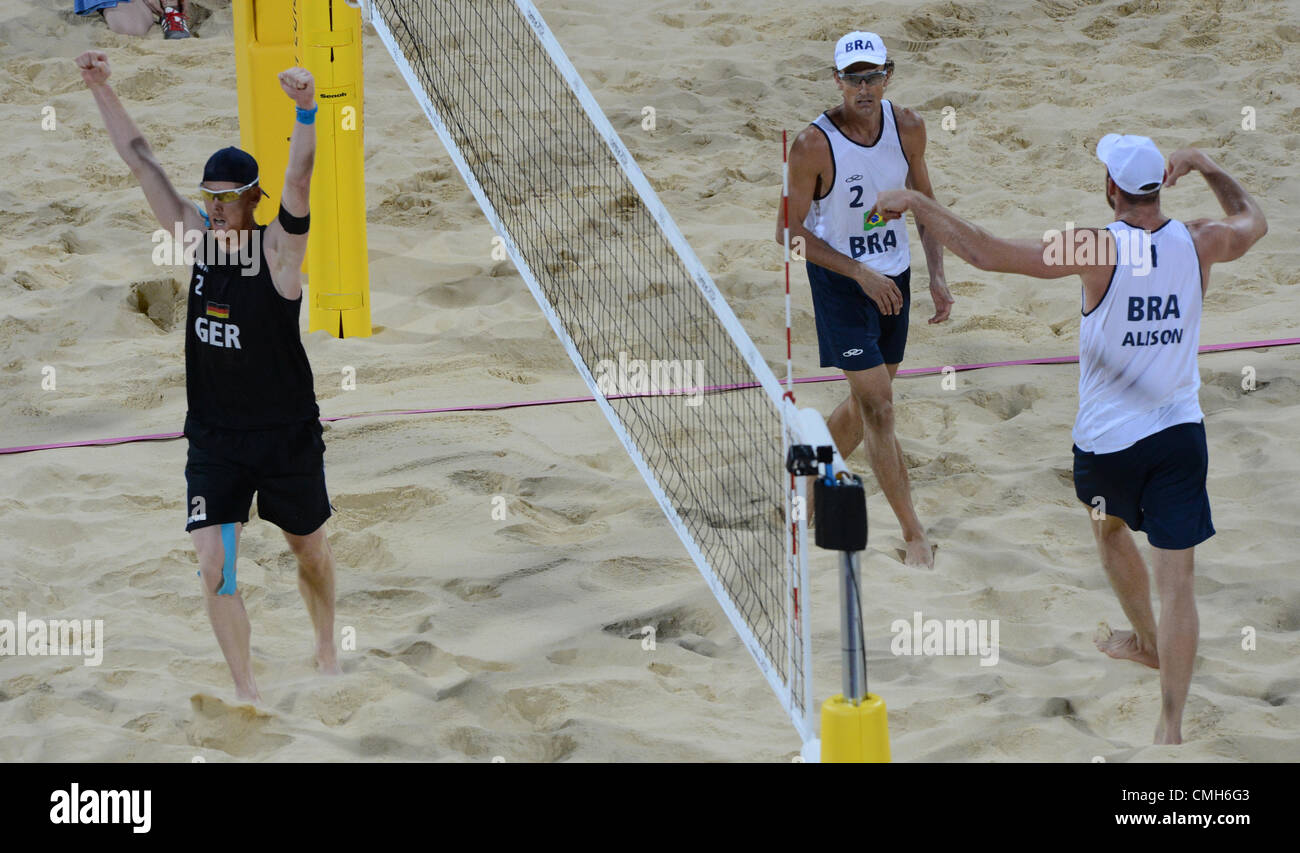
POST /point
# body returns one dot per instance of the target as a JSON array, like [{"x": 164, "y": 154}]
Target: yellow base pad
[{"x": 854, "y": 733}]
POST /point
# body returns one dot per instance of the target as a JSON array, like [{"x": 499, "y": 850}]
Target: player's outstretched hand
[
  {"x": 892, "y": 204},
  {"x": 94, "y": 67},
  {"x": 299, "y": 85}
]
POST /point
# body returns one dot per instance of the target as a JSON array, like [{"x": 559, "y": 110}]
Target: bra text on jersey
[{"x": 1152, "y": 308}]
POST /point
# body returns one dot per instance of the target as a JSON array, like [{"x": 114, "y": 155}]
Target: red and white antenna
[{"x": 785, "y": 217}]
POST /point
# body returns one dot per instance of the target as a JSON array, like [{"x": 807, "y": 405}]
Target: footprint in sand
[
  {"x": 146, "y": 84},
  {"x": 238, "y": 730}
]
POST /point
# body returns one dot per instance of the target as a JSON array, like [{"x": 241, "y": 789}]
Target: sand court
[{"x": 521, "y": 634}]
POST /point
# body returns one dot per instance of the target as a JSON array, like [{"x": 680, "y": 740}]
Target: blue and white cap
[
  {"x": 1134, "y": 162},
  {"x": 859, "y": 47}
]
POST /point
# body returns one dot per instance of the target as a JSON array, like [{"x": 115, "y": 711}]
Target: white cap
[
  {"x": 859, "y": 47},
  {"x": 1134, "y": 162}
]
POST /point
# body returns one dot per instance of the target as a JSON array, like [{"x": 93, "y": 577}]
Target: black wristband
[{"x": 293, "y": 224}]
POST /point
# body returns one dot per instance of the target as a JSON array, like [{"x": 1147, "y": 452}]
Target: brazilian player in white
[
  {"x": 860, "y": 271},
  {"x": 1139, "y": 437}
]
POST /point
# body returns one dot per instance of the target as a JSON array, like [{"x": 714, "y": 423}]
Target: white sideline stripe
[{"x": 783, "y": 692}]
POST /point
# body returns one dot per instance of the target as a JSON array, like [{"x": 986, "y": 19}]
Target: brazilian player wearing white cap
[
  {"x": 859, "y": 269},
  {"x": 1140, "y": 457}
]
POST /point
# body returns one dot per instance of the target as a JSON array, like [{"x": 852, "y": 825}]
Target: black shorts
[
  {"x": 1157, "y": 485},
  {"x": 852, "y": 334},
  {"x": 285, "y": 466}
]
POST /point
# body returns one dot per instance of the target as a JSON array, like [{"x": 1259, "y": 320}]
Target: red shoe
[{"x": 174, "y": 25}]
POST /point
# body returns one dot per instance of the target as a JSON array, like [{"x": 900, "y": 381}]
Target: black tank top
[{"x": 245, "y": 367}]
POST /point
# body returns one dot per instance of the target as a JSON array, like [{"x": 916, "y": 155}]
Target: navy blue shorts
[
  {"x": 284, "y": 466},
  {"x": 1157, "y": 485},
  {"x": 852, "y": 334}
]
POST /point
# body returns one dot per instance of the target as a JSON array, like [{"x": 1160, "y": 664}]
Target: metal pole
[{"x": 854, "y": 666}]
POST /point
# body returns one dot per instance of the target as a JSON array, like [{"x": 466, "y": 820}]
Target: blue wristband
[{"x": 307, "y": 116}]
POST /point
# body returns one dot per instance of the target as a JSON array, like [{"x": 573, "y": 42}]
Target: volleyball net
[{"x": 696, "y": 407}]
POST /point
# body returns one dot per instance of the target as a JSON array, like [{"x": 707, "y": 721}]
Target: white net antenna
[{"x": 615, "y": 278}]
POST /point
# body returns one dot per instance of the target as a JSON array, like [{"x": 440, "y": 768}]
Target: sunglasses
[
  {"x": 868, "y": 77},
  {"x": 225, "y": 195}
]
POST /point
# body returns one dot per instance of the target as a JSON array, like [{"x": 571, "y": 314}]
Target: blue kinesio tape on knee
[{"x": 228, "y": 568}]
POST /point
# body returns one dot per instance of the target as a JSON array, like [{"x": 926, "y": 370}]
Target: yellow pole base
[
  {"x": 338, "y": 288},
  {"x": 854, "y": 733}
]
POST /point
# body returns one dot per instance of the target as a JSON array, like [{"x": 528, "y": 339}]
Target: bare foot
[
  {"x": 1124, "y": 645},
  {"x": 919, "y": 553},
  {"x": 248, "y": 694},
  {"x": 327, "y": 662},
  {"x": 1166, "y": 740}
]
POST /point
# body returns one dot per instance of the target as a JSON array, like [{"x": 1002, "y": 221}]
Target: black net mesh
[{"x": 618, "y": 287}]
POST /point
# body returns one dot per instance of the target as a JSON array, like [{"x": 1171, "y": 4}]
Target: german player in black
[{"x": 253, "y": 424}]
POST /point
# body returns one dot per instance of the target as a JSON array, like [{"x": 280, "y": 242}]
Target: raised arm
[
  {"x": 286, "y": 236},
  {"x": 1224, "y": 239},
  {"x": 168, "y": 207}
]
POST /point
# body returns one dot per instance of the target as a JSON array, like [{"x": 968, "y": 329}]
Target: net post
[
  {"x": 854, "y": 727},
  {"x": 854, "y": 723},
  {"x": 853, "y": 657},
  {"x": 338, "y": 297}
]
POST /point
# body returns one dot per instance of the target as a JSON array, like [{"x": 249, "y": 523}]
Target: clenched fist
[
  {"x": 94, "y": 67},
  {"x": 299, "y": 85},
  {"x": 1183, "y": 161}
]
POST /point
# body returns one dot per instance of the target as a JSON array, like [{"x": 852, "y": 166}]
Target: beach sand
[{"x": 478, "y": 637}]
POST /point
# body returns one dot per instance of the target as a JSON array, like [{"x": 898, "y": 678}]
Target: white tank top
[
  {"x": 1137, "y": 348},
  {"x": 859, "y": 173}
]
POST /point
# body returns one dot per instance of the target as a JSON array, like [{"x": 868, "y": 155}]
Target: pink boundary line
[{"x": 490, "y": 407}]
